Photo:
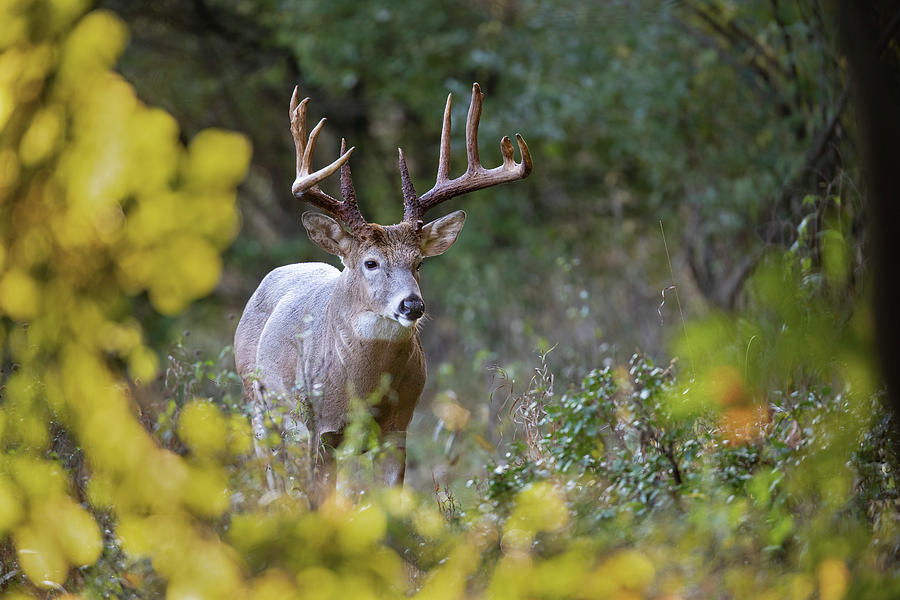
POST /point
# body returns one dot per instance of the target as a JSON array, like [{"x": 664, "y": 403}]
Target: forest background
[
  {"x": 698, "y": 202},
  {"x": 651, "y": 124}
]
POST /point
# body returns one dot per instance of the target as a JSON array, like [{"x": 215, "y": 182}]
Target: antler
[
  {"x": 306, "y": 185},
  {"x": 476, "y": 176}
]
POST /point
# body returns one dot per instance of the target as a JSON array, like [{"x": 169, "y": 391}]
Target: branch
[
  {"x": 888, "y": 34},
  {"x": 735, "y": 34},
  {"x": 747, "y": 74},
  {"x": 786, "y": 38},
  {"x": 669, "y": 453},
  {"x": 738, "y": 37},
  {"x": 824, "y": 135}
]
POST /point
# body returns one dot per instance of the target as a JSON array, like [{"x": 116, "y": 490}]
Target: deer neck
[
  {"x": 368, "y": 346},
  {"x": 360, "y": 326}
]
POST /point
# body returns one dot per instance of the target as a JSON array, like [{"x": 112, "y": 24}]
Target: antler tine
[
  {"x": 476, "y": 176},
  {"x": 306, "y": 185},
  {"x": 444, "y": 158},
  {"x": 410, "y": 198},
  {"x": 347, "y": 189},
  {"x": 350, "y": 213},
  {"x": 472, "y": 121}
]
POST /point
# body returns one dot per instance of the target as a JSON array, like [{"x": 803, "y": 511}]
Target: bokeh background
[{"x": 718, "y": 129}]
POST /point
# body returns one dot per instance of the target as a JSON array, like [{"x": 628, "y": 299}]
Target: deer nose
[{"x": 412, "y": 307}]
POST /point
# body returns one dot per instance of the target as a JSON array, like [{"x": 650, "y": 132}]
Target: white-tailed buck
[{"x": 315, "y": 336}]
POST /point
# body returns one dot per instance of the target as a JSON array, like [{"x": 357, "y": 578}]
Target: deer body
[{"x": 316, "y": 336}]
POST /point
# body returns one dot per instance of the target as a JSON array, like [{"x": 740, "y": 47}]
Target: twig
[
  {"x": 747, "y": 356},
  {"x": 786, "y": 38},
  {"x": 669, "y": 453},
  {"x": 677, "y": 299},
  {"x": 888, "y": 34},
  {"x": 8, "y": 576},
  {"x": 662, "y": 304}
]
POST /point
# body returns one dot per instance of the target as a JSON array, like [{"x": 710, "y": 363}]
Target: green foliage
[
  {"x": 615, "y": 449},
  {"x": 716, "y": 117},
  {"x": 577, "y": 423},
  {"x": 759, "y": 464}
]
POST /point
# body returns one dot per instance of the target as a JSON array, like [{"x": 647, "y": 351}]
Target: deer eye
[
  {"x": 371, "y": 264},
  {"x": 419, "y": 265}
]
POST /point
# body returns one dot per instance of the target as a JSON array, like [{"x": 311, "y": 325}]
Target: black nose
[{"x": 412, "y": 307}]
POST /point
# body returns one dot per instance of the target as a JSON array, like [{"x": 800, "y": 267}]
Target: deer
[{"x": 327, "y": 335}]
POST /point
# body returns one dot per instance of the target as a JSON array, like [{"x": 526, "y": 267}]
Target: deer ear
[
  {"x": 436, "y": 237},
  {"x": 326, "y": 233}
]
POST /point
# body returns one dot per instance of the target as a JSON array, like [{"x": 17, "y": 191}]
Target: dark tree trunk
[{"x": 867, "y": 30}]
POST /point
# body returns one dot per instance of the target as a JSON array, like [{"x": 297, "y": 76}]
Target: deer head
[{"x": 382, "y": 262}]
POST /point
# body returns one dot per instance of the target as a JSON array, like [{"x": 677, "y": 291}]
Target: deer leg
[
  {"x": 389, "y": 465},
  {"x": 323, "y": 465},
  {"x": 257, "y": 421}
]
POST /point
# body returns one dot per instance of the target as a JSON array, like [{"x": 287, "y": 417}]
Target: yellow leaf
[
  {"x": 10, "y": 505},
  {"x": 19, "y": 295},
  {"x": 9, "y": 165},
  {"x": 317, "y": 583},
  {"x": 217, "y": 159},
  {"x": 40, "y": 558},
  {"x": 362, "y": 530},
  {"x": 14, "y": 30},
  {"x": 834, "y": 578},
  {"x": 273, "y": 585},
  {"x": 206, "y": 491},
  {"x": 142, "y": 364},
  {"x": 631, "y": 569},
  {"x": 77, "y": 532},
  {"x": 428, "y": 521},
  {"x": 185, "y": 269},
  {"x": 540, "y": 507},
  {"x": 240, "y": 437},
  {"x": 94, "y": 45},
  {"x": 153, "y": 136},
  {"x": 42, "y": 136},
  {"x": 63, "y": 12},
  {"x": 38, "y": 478},
  {"x": 203, "y": 428}
]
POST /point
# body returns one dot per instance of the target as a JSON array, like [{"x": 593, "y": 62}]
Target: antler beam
[
  {"x": 306, "y": 185},
  {"x": 476, "y": 176}
]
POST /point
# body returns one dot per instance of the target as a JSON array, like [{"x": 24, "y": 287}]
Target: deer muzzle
[{"x": 412, "y": 307}]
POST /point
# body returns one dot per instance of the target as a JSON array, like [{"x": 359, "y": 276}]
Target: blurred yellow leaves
[
  {"x": 539, "y": 507},
  {"x": 103, "y": 202},
  {"x": 40, "y": 558},
  {"x": 74, "y": 530},
  {"x": 196, "y": 564},
  {"x": 10, "y": 505},
  {"x": 51, "y": 532},
  {"x": 834, "y": 578},
  {"x": 92, "y": 47},
  {"x": 174, "y": 272},
  {"x": 216, "y": 160},
  {"x": 452, "y": 414},
  {"x": 273, "y": 585},
  {"x": 203, "y": 428},
  {"x": 42, "y": 136},
  {"x": 337, "y": 552},
  {"x": 19, "y": 295},
  {"x": 575, "y": 574},
  {"x": 209, "y": 434},
  {"x": 626, "y": 571},
  {"x": 361, "y": 530}
]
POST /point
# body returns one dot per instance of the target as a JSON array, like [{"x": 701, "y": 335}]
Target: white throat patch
[{"x": 372, "y": 326}]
